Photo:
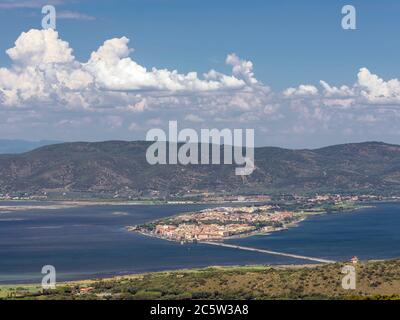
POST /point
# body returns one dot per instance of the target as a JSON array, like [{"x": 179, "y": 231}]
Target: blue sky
[{"x": 289, "y": 43}]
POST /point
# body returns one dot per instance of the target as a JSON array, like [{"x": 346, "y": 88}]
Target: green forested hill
[{"x": 118, "y": 166}]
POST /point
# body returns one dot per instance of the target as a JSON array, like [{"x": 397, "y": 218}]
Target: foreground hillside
[
  {"x": 121, "y": 167},
  {"x": 375, "y": 280}
]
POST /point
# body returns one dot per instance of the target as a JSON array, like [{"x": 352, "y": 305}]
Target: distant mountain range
[
  {"x": 121, "y": 167},
  {"x": 20, "y": 146}
]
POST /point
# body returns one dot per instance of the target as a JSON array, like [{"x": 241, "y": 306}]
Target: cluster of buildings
[
  {"x": 236, "y": 214},
  {"x": 219, "y": 223},
  {"x": 337, "y": 198},
  {"x": 22, "y": 197},
  {"x": 201, "y": 232}
]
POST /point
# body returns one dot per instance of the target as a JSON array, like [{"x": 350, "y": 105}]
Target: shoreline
[
  {"x": 122, "y": 275},
  {"x": 307, "y": 281},
  {"x": 238, "y": 236},
  {"x": 259, "y": 232},
  {"x": 67, "y": 204},
  {"x": 109, "y": 276},
  {"x": 106, "y": 277}
]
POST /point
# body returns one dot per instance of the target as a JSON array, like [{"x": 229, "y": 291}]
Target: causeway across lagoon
[{"x": 295, "y": 256}]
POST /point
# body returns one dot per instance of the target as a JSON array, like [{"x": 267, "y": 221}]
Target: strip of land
[
  {"x": 374, "y": 280},
  {"x": 289, "y": 255},
  {"x": 222, "y": 223}
]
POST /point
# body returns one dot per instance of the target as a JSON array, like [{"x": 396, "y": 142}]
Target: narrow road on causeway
[{"x": 295, "y": 256}]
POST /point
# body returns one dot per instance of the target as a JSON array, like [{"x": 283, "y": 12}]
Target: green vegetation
[
  {"x": 375, "y": 280},
  {"x": 118, "y": 169}
]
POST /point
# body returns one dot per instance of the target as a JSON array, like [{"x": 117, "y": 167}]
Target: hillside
[
  {"x": 375, "y": 280},
  {"x": 118, "y": 166}
]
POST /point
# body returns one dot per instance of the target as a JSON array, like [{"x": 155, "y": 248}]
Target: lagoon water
[{"x": 92, "y": 241}]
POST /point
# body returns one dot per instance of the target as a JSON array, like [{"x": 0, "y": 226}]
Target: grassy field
[{"x": 375, "y": 280}]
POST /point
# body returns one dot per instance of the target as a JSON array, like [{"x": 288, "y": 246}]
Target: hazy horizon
[{"x": 52, "y": 142}]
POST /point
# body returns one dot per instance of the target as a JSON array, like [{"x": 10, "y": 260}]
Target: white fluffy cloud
[
  {"x": 241, "y": 68},
  {"x": 113, "y": 69},
  {"x": 115, "y": 92},
  {"x": 302, "y": 91},
  {"x": 376, "y": 90},
  {"x": 368, "y": 89},
  {"x": 39, "y": 47},
  {"x": 331, "y": 91},
  {"x": 44, "y": 70}
]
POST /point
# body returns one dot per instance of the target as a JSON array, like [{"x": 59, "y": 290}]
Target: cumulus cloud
[
  {"x": 241, "y": 68},
  {"x": 376, "y": 90},
  {"x": 301, "y": 91},
  {"x": 368, "y": 89},
  {"x": 331, "y": 91},
  {"x": 113, "y": 69},
  {"x": 45, "y": 70},
  {"x": 112, "y": 90},
  {"x": 40, "y": 47}
]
